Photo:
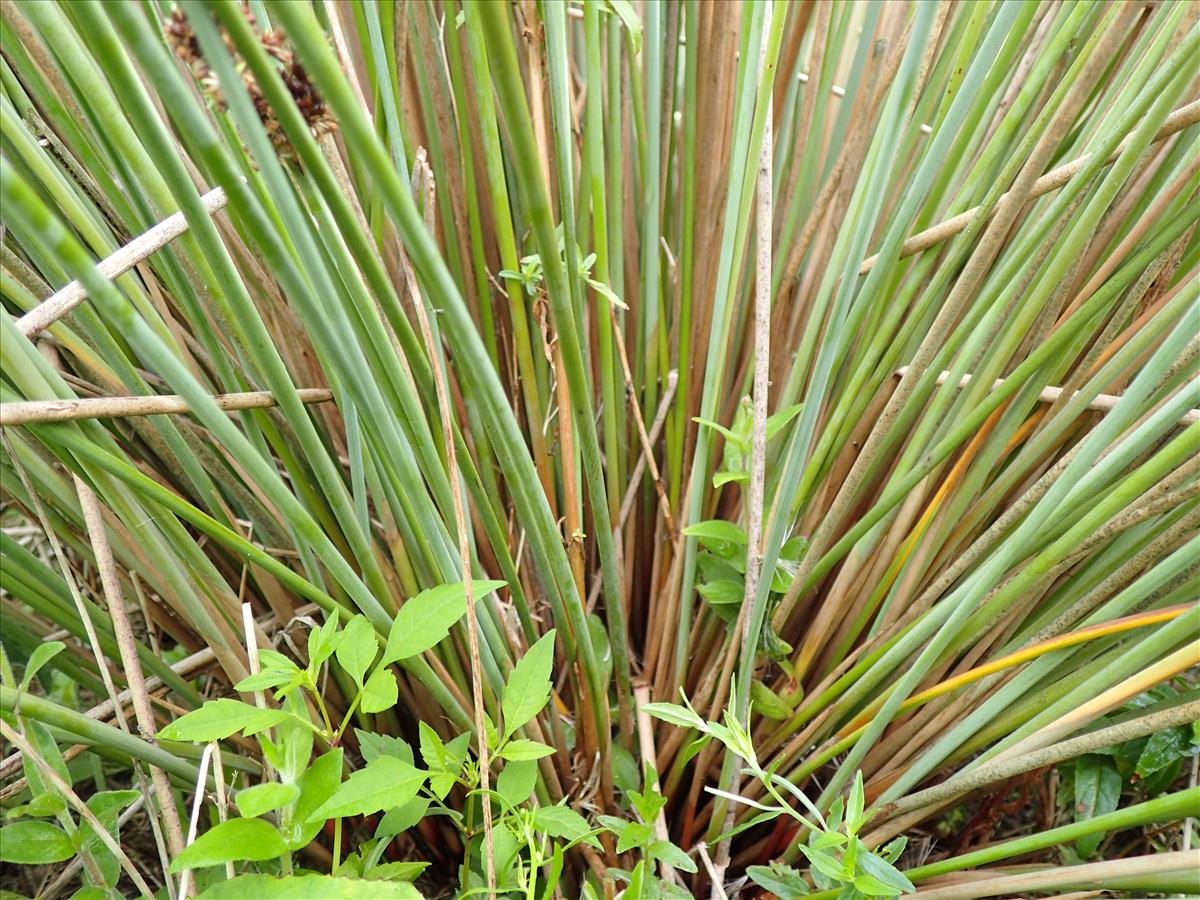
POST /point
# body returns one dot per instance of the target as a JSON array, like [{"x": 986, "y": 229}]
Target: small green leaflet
[
  {"x": 1097, "y": 792},
  {"x": 44, "y": 743},
  {"x": 725, "y": 477},
  {"x": 854, "y": 807},
  {"x": 783, "y": 881},
  {"x": 34, "y": 844},
  {"x": 218, "y": 719},
  {"x": 872, "y": 886},
  {"x": 635, "y": 834},
  {"x": 779, "y": 420},
  {"x": 768, "y": 703},
  {"x": 402, "y": 818},
  {"x": 1162, "y": 749},
  {"x": 396, "y": 871},
  {"x": 528, "y": 687},
  {"x": 523, "y": 749},
  {"x": 824, "y": 863},
  {"x": 105, "y": 805},
  {"x": 261, "y": 681},
  {"x": 374, "y": 746},
  {"x": 41, "y": 655},
  {"x": 561, "y": 822},
  {"x": 382, "y": 784},
  {"x": 357, "y": 648},
  {"x": 322, "y": 642},
  {"x": 723, "y": 538},
  {"x": 675, "y": 714},
  {"x": 291, "y": 748},
  {"x": 556, "y": 867},
  {"x": 237, "y": 839},
  {"x": 606, "y": 292},
  {"x": 424, "y": 620},
  {"x": 433, "y": 750},
  {"x": 43, "y": 806},
  {"x": 261, "y": 798},
  {"x": 883, "y": 871},
  {"x": 380, "y": 691},
  {"x": 517, "y": 781},
  {"x": 671, "y": 854},
  {"x": 723, "y": 592},
  {"x": 317, "y": 785},
  {"x": 737, "y": 440},
  {"x": 648, "y": 803}
]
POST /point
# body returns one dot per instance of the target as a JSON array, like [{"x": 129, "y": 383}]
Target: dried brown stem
[
  {"x": 93, "y": 518},
  {"x": 37, "y": 412},
  {"x": 1182, "y": 118},
  {"x": 113, "y": 266}
]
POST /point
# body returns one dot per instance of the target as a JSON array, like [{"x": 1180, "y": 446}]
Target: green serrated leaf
[
  {"x": 382, "y": 784},
  {"x": 218, "y": 719},
  {"x": 528, "y": 687},
  {"x": 322, "y": 642},
  {"x": 648, "y": 803},
  {"x": 425, "y": 620},
  {"x": 374, "y": 746},
  {"x": 561, "y": 822},
  {"x": 433, "y": 751},
  {"x": 441, "y": 784},
  {"x": 458, "y": 748}
]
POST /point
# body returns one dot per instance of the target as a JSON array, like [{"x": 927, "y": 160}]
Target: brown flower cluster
[{"x": 308, "y": 99}]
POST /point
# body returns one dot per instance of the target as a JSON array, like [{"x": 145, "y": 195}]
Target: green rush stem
[{"x": 508, "y": 84}]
